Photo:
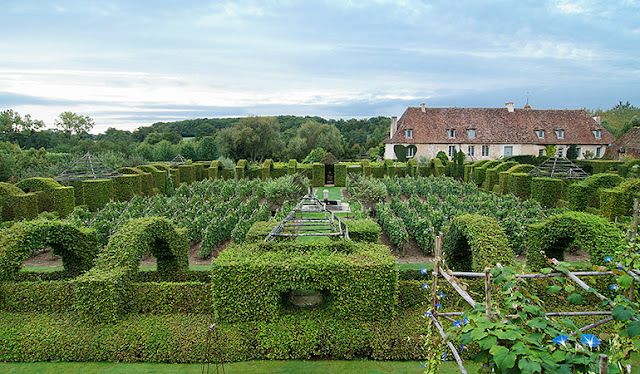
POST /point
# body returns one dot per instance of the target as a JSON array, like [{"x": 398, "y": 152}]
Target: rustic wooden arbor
[{"x": 87, "y": 167}]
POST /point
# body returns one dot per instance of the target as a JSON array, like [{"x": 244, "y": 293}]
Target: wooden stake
[
  {"x": 487, "y": 291},
  {"x": 436, "y": 272},
  {"x": 453, "y": 349},
  {"x": 603, "y": 363}
]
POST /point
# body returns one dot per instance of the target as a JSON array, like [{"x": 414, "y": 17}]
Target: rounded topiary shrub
[
  {"x": 595, "y": 235},
  {"x": 474, "y": 242}
]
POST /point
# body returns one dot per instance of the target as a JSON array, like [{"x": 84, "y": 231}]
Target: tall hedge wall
[
  {"x": 126, "y": 186},
  {"x": 520, "y": 185},
  {"x": 340, "y": 174},
  {"x": 366, "y": 167},
  {"x": 47, "y": 185},
  {"x": 97, "y": 193},
  {"x": 159, "y": 177},
  {"x": 480, "y": 171},
  {"x": 15, "y": 204},
  {"x": 214, "y": 169},
  {"x": 146, "y": 179},
  {"x": 469, "y": 167},
  {"x": 599, "y": 166},
  {"x": 548, "y": 191},
  {"x": 318, "y": 175},
  {"x": 595, "y": 235},
  {"x": 474, "y": 242},
  {"x": 503, "y": 178},
  {"x": 617, "y": 202},
  {"x": 358, "y": 282},
  {"x": 492, "y": 174},
  {"x": 436, "y": 167},
  {"x": 586, "y": 193},
  {"x": 63, "y": 200},
  {"x": 187, "y": 174}
]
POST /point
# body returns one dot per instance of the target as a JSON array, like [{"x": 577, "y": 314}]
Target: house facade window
[
  {"x": 452, "y": 133},
  {"x": 560, "y": 134},
  {"x": 452, "y": 150},
  {"x": 408, "y": 133},
  {"x": 410, "y": 153},
  {"x": 541, "y": 152},
  {"x": 578, "y": 150},
  {"x": 540, "y": 134},
  {"x": 471, "y": 150},
  {"x": 508, "y": 150},
  {"x": 598, "y": 152},
  {"x": 471, "y": 133},
  {"x": 560, "y": 152},
  {"x": 485, "y": 151},
  {"x": 597, "y": 134}
]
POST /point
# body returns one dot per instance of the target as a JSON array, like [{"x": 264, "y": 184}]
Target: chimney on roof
[
  {"x": 394, "y": 124},
  {"x": 423, "y": 107},
  {"x": 598, "y": 119},
  {"x": 509, "y": 106}
]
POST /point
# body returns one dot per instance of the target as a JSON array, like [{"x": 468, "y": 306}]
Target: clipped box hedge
[
  {"x": 63, "y": 200},
  {"x": 146, "y": 179},
  {"x": 252, "y": 282},
  {"x": 15, "y": 204},
  {"x": 46, "y": 185},
  {"x": 492, "y": 176},
  {"x": 187, "y": 174},
  {"x": 520, "y": 185},
  {"x": 214, "y": 169},
  {"x": 480, "y": 171},
  {"x": 317, "y": 180},
  {"x": 586, "y": 193},
  {"x": 340, "y": 174},
  {"x": 127, "y": 186},
  {"x": 618, "y": 202},
  {"x": 548, "y": 191},
  {"x": 159, "y": 177},
  {"x": 363, "y": 230}
]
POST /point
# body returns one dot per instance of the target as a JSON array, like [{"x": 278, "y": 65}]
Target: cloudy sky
[{"x": 132, "y": 63}]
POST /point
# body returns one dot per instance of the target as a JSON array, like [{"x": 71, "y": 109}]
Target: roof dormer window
[
  {"x": 540, "y": 133},
  {"x": 471, "y": 133},
  {"x": 452, "y": 133},
  {"x": 560, "y": 134},
  {"x": 597, "y": 134},
  {"x": 408, "y": 133}
]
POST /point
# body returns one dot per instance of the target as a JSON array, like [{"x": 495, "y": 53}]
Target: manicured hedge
[
  {"x": 492, "y": 174},
  {"x": 15, "y": 204},
  {"x": 250, "y": 282},
  {"x": 214, "y": 169},
  {"x": 40, "y": 297},
  {"x": 412, "y": 167},
  {"x": 378, "y": 171},
  {"x": 520, "y": 185},
  {"x": 586, "y": 193},
  {"x": 503, "y": 179},
  {"x": 267, "y": 165},
  {"x": 618, "y": 202},
  {"x": 176, "y": 179},
  {"x": 63, "y": 200},
  {"x": 436, "y": 168},
  {"x": 77, "y": 246},
  {"x": 146, "y": 179},
  {"x": 47, "y": 185},
  {"x": 595, "y": 235},
  {"x": 340, "y": 174},
  {"x": 187, "y": 174},
  {"x": 548, "y": 191},
  {"x": 159, "y": 177},
  {"x": 474, "y": 242},
  {"x": 292, "y": 165},
  {"x": 318, "y": 175},
  {"x": 598, "y": 166},
  {"x": 97, "y": 193},
  {"x": 363, "y": 230},
  {"x": 480, "y": 171},
  {"x": 78, "y": 191},
  {"x": 366, "y": 167},
  {"x": 469, "y": 167},
  {"x": 127, "y": 186},
  {"x": 199, "y": 169}
]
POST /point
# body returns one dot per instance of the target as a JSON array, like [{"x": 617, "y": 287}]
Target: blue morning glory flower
[
  {"x": 608, "y": 259},
  {"x": 561, "y": 339},
  {"x": 444, "y": 357},
  {"x": 424, "y": 364},
  {"x": 614, "y": 287},
  {"x": 438, "y": 305},
  {"x": 465, "y": 321},
  {"x": 456, "y": 324},
  {"x": 428, "y": 314},
  {"x": 424, "y": 270},
  {"x": 425, "y": 286},
  {"x": 462, "y": 348},
  {"x": 442, "y": 295},
  {"x": 590, "y": 340}
]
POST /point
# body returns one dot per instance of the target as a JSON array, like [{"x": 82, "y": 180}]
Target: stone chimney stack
[
  {"x": 394, "y": 124},
  {"x": 423, "y": 107},
  {"x": 509, "y": 106}
]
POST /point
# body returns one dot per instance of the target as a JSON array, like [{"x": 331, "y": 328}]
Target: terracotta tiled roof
[
  {"x": 498, "y": 126},
  {"x": 628, "y": 143}
]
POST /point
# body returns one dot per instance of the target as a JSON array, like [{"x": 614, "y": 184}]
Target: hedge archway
[
  {"x": 595, "y": 235},
  {"x": 474, "y": 242},
  {"x": 156, "y": 235},
  {"x": 77, "y": 246}
]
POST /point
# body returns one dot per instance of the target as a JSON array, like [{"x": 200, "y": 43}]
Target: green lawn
[
  {"x": 334, "y": 192},
  {"x": 250, "y": 367}
]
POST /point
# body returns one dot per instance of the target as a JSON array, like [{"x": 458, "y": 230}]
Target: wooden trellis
[
  {"x": 87, "y": 167},
  {"x": 451, "y": 276},
  {"x": 299, "y": 223},
  {"x": 559, "y": 167}
]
